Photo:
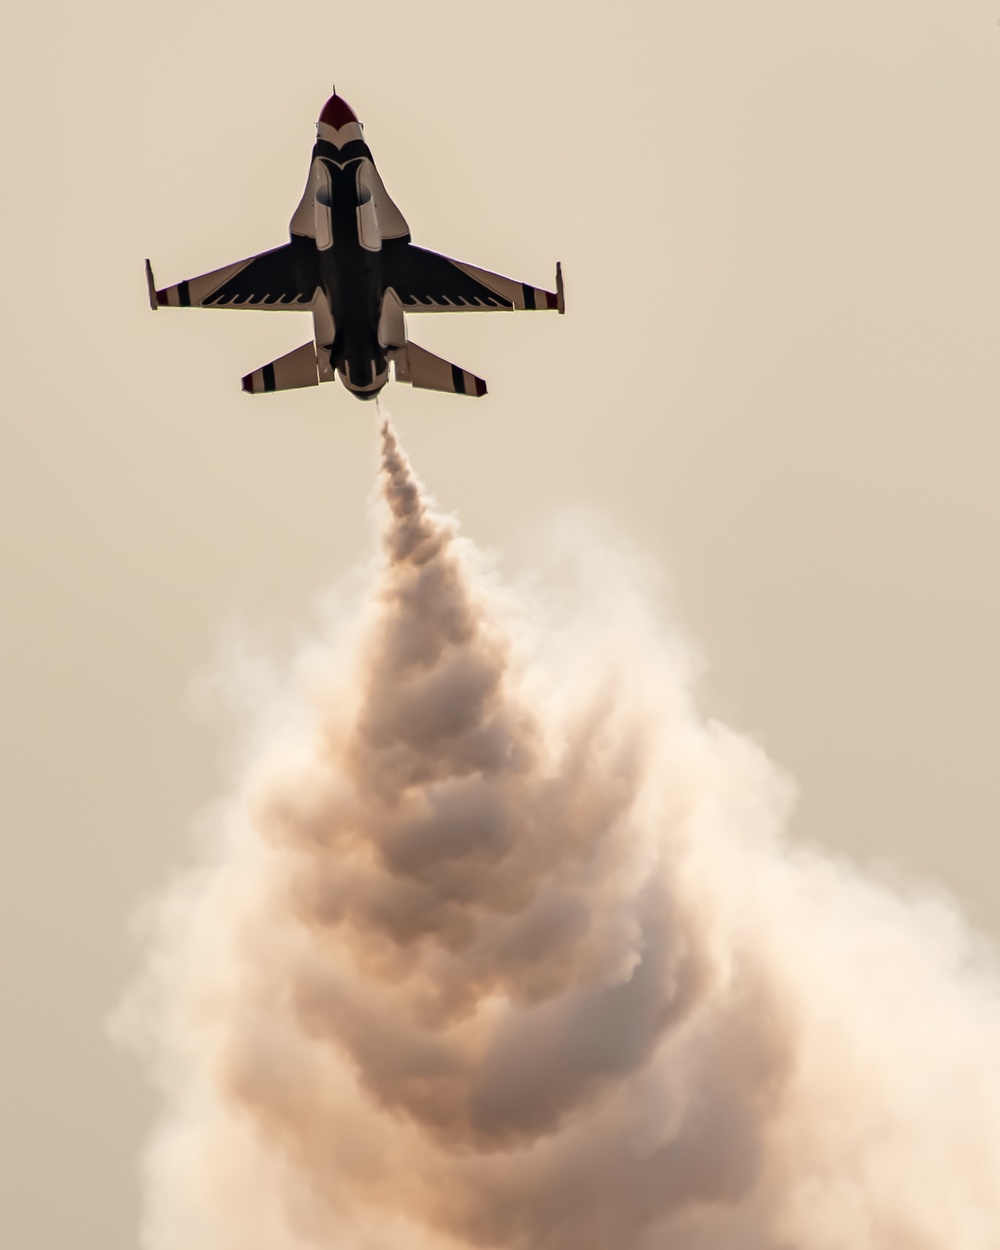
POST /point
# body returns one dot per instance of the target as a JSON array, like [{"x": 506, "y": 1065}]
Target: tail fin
[
  {"x": 297, "y": 368},
  {"x": 423, "y": 369}
]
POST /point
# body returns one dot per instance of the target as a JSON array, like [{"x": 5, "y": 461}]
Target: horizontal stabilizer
[
  {"x": 423, "y": 369},
  {"x": 297, "y": 368}
]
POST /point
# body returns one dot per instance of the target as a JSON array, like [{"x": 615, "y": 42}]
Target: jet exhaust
[{"x": 499, "y": 945}]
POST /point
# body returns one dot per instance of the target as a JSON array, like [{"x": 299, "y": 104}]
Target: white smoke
[{"x": 499, "y": 945}]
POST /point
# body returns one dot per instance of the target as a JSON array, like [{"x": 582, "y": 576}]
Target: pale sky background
[{"x": 780, "y": 226}]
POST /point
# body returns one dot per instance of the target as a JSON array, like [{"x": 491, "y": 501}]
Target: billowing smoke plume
[{"x": 500, "y": 946}]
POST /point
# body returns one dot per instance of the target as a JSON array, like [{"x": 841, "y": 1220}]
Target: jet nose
[{"x": 337, "y": 112}]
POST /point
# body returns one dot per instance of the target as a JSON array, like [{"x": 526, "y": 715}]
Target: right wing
[
  {"x": 429, "y": 282},
  {"x": 285, "y": 277}
]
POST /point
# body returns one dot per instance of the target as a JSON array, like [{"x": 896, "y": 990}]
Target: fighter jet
[{"x": 350, "y": 263}]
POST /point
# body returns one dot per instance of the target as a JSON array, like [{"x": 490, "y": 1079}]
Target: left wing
[
  {"x": 429, "y": 282},
  {"x": 285, "y": 277}
]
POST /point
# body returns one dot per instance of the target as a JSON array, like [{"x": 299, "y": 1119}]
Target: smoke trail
[{"x": 500, "y": 946}]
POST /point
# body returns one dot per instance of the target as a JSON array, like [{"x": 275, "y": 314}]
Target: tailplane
[
  {"x": 428, "y": 372},
  {"x": 297, "y": 368}
]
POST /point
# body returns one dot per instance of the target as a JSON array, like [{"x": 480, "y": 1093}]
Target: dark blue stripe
[
  {"x": 268, "y": 376},
  {"x": 529, "y": 295},
  {"x": 353, "y": 150},
  {"x": 184, "y": 294},
  {"x": 458, "y": 380}
]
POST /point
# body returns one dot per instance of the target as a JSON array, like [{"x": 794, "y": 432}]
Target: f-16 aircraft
[{"x": 351, "y": 264}]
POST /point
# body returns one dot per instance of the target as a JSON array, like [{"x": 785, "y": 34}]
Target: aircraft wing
[
  {"x": 429, "y": 282},
  {"x": 285, "y": 277}
]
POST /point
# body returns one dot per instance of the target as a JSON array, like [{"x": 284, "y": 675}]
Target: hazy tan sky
[{"x": 778, "y": 376}]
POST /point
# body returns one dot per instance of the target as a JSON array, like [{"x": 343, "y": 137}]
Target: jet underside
[{"x": 350, "y": 262}]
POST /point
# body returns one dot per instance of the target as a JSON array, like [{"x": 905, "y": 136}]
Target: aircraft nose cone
[{"x": 337, "y": 112}]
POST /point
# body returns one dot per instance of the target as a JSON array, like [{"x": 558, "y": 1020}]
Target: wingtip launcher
[{"x": 151, "y": 286}]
